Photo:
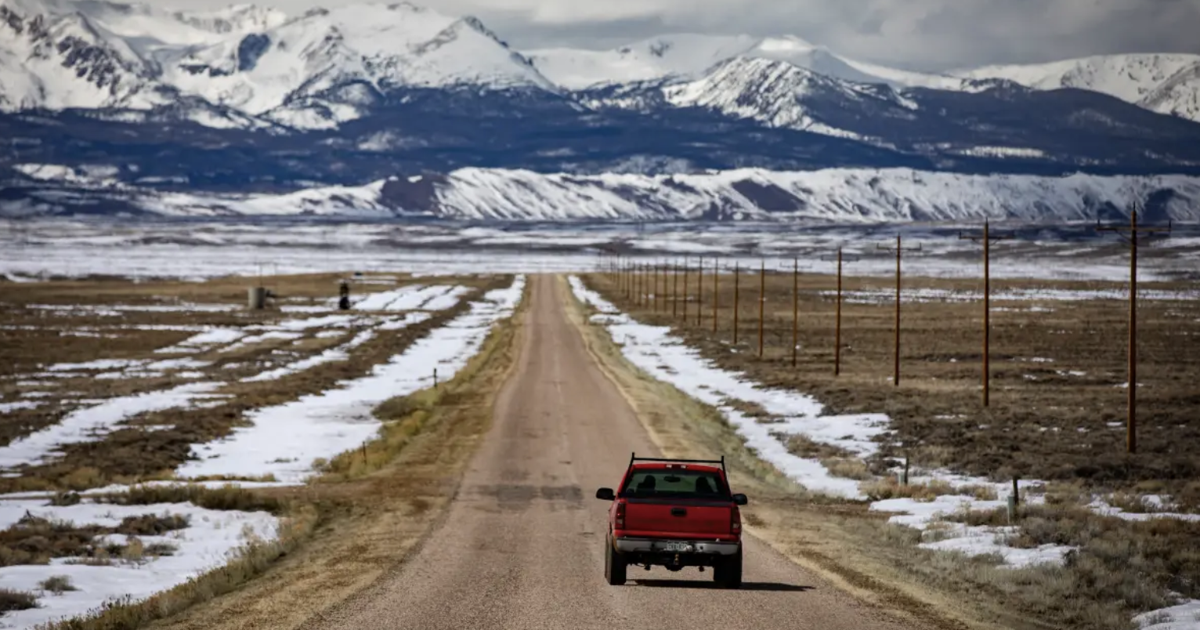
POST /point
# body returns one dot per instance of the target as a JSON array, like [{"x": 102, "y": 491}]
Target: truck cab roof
[{"x": 667, "y": 465}]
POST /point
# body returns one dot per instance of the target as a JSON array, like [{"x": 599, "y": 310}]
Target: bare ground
[
  {"x": 349, "y": 528},
  {"x": 130, "y": 452},
  {"x": 1120, "y": 568},
  {"x": 1057, "y": 403}
]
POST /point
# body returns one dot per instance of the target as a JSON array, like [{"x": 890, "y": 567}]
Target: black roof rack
[{"x": 634, "y": 458}]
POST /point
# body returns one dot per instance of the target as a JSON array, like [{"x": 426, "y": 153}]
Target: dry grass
[
  {"x": 35, "y": 540},
  {"x": 151, "y": 525},
  {"x": 131, "y": 454},
  {"x": 228, "y": 497},
  {"x": 253, "y": 560},
  {"x": 1047, "y": 420},
  {"x": 891, "y": 488},
  {"x": 342, "y": 531},
  {"x": 820, "y": 532},
  {"x": 1121, "y": 569},
  {"x": 57, "y": 584},
  {"x": 849, "y": 468},
  {"x": 12, "y": 600}
]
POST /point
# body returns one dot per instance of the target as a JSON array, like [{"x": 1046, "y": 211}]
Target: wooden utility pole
[
  {"x": 700, "y": 291},
  {"x": 795, "y": 308},
  {"x": 629, "y": 279},
  {"x": 647, "y": 290},
  {"x": 716, "y": 292},
  {"x": 639, "y": 285},
  {"x": 837, "y": 326},
  {"x": 899, "y": 248},
  {"x": 685, "y": 288},
  {"x": 657, "y": 295},
  {"x": 737, "y": 301},
  {"x": 675, "y": 290},
  {"x": 762, "y": 302},
  {"x": 625, "y": 279},
  {"x": 617, "y": 271},
  {"x": 1131, "y": 234},
  {"x": 640, "y": 274},
  {"x": 986, "y": 238}
]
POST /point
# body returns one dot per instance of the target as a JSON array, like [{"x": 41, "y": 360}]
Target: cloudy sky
[{"x": 919, "y": 34}]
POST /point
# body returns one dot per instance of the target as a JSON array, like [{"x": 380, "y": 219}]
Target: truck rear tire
[
  {"x": 728, "y": 572},
  {"x": 614, "y": 564}
]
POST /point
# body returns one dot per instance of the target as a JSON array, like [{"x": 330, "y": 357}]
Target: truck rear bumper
[{"x": 664, "y": 546}]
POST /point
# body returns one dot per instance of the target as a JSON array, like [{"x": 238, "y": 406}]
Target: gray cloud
[{"x": 920, "y": 34}]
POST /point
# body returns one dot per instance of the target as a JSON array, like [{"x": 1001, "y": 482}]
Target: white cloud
[{"x": 916, "y": 33}]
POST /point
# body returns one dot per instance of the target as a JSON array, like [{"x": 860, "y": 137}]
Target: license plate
[{"x": 676, "y": 547}]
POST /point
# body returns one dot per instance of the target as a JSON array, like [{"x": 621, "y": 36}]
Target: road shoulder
[
  {"x": 822, "y": 536},
  {"x": 369, "y": 526}
]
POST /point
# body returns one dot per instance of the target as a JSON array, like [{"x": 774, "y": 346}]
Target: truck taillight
[
  {"x": 735, "y": 520},
  {"x": 620, "y": 515}
]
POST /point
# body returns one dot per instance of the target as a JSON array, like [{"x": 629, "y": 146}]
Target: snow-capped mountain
[
  {"x": 1168, "y": 84},
  {"x": 63, "y": 61},
  {"x": 832, "y": 195},
  {"x": 250, "y": 101},
  {"x": 328, "y": 66},
  {"x": 775, "y": 93},
  {"x": 688, "y": 55},
  {"x": 310, "y": 71}
]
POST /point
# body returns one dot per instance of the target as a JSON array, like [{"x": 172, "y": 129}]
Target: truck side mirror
[
  {"x": 740, "y": 499},
  {"x": 606, "y": 493}
]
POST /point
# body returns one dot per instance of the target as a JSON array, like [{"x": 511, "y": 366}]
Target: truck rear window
[{"x": 675, "y": 484}]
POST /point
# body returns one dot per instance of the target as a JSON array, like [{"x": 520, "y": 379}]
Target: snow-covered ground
[
  {"x": 660, "y": 354},
  {"x": 76, "y": 248},
  {"x": 878, "y": 296},
  {"x": 91, "y": 423},
  {"x": 285, "y": 440},
  {"x": 413, "y": 298},
  {"x": 205, "y": 544},
  {"x": 1185, "y": 616},
  {"x": 665, "y": 357}
]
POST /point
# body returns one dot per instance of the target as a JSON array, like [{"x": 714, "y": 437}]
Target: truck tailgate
[{"x": 682, "y": 518}]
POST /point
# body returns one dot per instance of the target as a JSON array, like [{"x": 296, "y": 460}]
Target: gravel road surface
[{"x": 521, "y": 546}]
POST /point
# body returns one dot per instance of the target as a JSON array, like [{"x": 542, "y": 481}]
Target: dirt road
[{"x": 521, "y": 546}]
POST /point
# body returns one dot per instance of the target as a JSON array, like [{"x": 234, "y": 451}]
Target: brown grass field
[
  {"x": 1058, "y": 420},
  {"x": 1119, "y": 567},
  {"x": 33, "y": 337},
  {"x": 386, "y": 492}
]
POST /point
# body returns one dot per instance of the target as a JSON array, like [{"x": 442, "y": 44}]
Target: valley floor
[{"x": 355, "y": 474}]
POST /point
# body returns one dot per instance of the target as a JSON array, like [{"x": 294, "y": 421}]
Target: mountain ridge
[
  {"x": 158, "y": 41},
  {"x": 1173, "y": 79},
  {"x": 248, "y": 100},
  {"x": 845, "y": 196}
]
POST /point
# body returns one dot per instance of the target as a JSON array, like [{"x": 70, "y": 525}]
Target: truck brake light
[
  {"x": 735, "y": 520},
  {"x": 620, "y": 515}
]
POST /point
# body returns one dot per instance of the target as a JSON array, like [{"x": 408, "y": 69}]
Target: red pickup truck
[{"x": 674, "y": 513}]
